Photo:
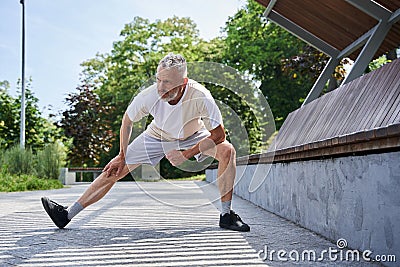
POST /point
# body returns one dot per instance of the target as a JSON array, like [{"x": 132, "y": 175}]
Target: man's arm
[
  {"x": 217, "y": 136},
  {"x": 125, "y": 134},
  {"x": 118, "y": 163}
]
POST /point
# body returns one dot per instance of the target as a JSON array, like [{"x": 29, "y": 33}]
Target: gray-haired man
[{"x": 187, "y": 123}]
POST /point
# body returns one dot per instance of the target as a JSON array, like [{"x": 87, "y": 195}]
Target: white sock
[
  {"x": 226, "y": 207},
  {"x": 74, "y": 209}
]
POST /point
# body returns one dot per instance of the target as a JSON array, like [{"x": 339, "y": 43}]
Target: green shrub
[
  {"x": 19, "y": 161},
  {"x": 24, "y": 182},
  {"x": 49, "y": 161},
  {"x": 1, "y": 160},
  {"x": 21, "y": 170}
]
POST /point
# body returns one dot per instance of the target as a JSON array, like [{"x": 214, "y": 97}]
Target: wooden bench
[
  {"x": 360, "y": 117},
  {"x": 95, "y": 171},
  {"x": 68, "y": 175}
]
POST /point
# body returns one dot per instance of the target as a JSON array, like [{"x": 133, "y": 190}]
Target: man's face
[{"x": 169, "y": 81}]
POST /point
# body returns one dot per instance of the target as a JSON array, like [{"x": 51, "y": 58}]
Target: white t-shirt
[{"x": 196, "y": 109}]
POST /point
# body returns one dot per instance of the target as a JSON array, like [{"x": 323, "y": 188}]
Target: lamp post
[{"x": 22, "y": 125}]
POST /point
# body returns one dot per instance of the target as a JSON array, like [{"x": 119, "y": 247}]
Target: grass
[
  {"x": 200, "y": 177},
  {"x": 25, "y": 182}
]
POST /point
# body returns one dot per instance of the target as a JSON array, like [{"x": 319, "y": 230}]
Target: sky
[{"x": 61, "y": 34}]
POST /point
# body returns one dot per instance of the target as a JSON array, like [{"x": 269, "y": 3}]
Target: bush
[
  {"x": 21, "y": 170},
  {"x": 19, "y": 161},
  {"x": 49, "y": 161},
  {"x": 1, "y": 159},
  {"x": 24, "y": 182}
]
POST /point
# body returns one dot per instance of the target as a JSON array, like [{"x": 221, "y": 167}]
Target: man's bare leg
[
  {"x": 101, "y": 185},
  {"x": 226, "y": 155},
  {"x": 61, "y": 216}
]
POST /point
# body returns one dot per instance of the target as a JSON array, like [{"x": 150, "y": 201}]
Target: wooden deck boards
[{"x": 356, "y": 112}]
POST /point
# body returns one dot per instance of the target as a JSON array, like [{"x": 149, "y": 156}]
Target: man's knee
[
  {"x": 226, "y": 152},
  {"x": 113, "y": 177}
]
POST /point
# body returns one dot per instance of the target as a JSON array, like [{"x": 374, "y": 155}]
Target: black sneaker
[
  {"x": 232, "y": 221},
  {"x": 57, "y": 213}
]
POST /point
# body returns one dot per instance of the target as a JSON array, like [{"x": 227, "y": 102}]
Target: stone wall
[{"x": 356, "y": 198}]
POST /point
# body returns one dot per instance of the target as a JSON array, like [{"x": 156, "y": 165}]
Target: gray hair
[{"x": 174, "y": 61}]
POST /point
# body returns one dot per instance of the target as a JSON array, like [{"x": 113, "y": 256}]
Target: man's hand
[
  {"x": 176, "y": 157},
  {"x": 116, "y": 165}
]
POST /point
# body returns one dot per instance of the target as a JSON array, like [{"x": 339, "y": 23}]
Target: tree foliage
[
  {"x": 9, "y": 130},
  {"x": 38, "y": 130},
  {"x": 309, "y": 64},
  {"x": 285, "y": 66},
  {"x": 86, "y": 122}
]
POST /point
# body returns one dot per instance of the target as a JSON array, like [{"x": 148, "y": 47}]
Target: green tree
[
  {"x": 9, "y": 129},
  {"x": 38, "y": 130},
  {"x": 262, "y": 49},
  {"x": 378, "y": 62},
  {"x": 34, "y": 122}
]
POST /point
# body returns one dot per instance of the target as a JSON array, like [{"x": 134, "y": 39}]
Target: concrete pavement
[{"x": 152, "y": 224}]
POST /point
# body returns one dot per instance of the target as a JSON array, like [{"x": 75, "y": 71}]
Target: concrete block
[
  {"x": 66, "y": 178},
  {"x": 150, "y": 173}
]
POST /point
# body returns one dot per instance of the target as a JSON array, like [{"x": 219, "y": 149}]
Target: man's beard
[{"x": 170, "y": 97}]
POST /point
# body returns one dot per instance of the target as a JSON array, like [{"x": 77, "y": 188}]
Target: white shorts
[{"x": 146, "y": 149}]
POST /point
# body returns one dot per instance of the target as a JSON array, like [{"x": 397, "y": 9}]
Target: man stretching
[{"x": 187, "y": 123}]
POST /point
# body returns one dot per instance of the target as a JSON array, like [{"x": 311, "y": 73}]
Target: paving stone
[{"x": 147, "y": 224}]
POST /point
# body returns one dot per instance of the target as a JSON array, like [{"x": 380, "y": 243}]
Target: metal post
[
  {"x": 269, "y": 8},
  {"x": 22, "y": 125},
  {"x": 321, "y": 81},
  {"x": 368, "y": 51}
]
